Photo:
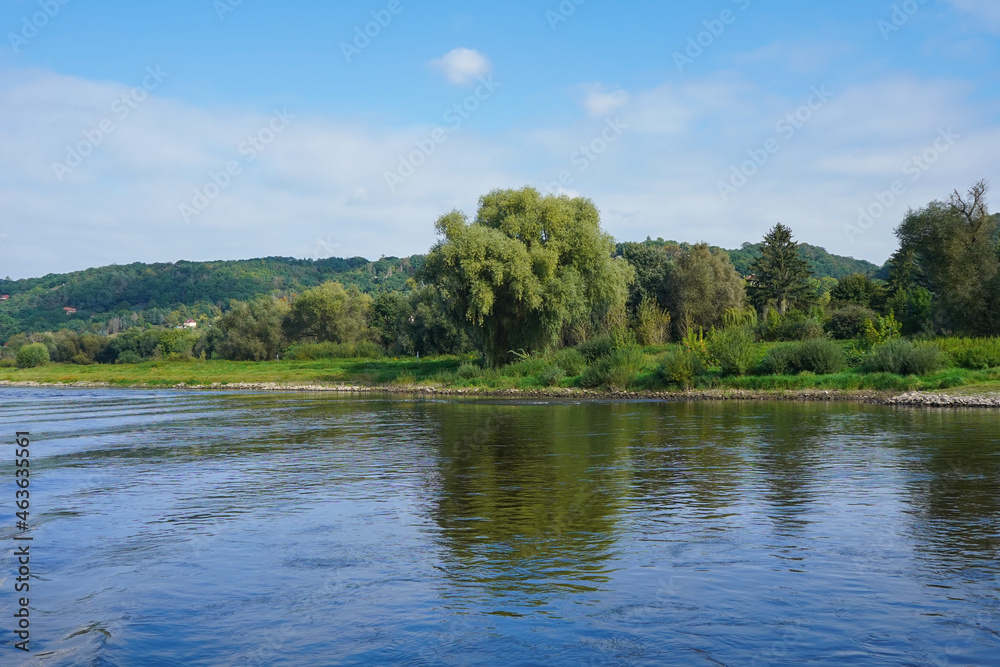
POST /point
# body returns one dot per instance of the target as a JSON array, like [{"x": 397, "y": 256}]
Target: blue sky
[{"x": 217, "y": 129}]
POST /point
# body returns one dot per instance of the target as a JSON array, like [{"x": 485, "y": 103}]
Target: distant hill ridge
[{"x": 39, "y": 304}]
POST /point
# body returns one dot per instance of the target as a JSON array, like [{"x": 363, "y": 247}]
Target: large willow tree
[{"x": 524, "y": 269}]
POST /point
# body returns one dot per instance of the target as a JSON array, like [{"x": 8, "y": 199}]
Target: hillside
[{"x": 165, "y": 292}]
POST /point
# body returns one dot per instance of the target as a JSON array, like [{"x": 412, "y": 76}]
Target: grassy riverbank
[{"x": 462, "y": 373}]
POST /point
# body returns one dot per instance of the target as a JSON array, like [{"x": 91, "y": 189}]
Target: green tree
[
  {"x": 954, "y": 248},
  {"x": 329, "y": 313},
  {"x": 32, "y": 355},
  {"x": 252, "y": 330},
  {"x": 859, "y": 289},
  {"x": 703, "y": 287},
  {"x": 652, "y": 274},
  {"x": 525, "y": 269},
  {"x": 781, "y": 276}
]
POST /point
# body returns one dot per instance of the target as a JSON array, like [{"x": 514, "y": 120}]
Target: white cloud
[
  {"x": 463, "y": 67},
  {"x": 600, "y": 102},
  {"x": 323, "y": 178}
]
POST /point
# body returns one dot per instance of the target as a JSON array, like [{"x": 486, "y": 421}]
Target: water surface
[{"x": 176, "y": 528}]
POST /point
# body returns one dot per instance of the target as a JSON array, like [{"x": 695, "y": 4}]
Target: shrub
[
  {"x": 570, "y": 360},
  {"x": 848, "y": 322},
  {"x": 616, "y": 370},
  {"x": 525, "y": 367},
  {"x": 972, "y": 353},
  {"x": 794, "y": 325},
  {"x": 878, "y": 331},
  {"x": 32, "y": 355},
  {"x": 327, "y": 350},
  {"x": 128, "y": 357},
  {"x": 469, "y": 371},
  {"x": 821, "y": 356},
  {"x": 680, "y": 367},
  {"x": 779, "y": 360},
  {"x": 7, "y": 362},
  {"x": 405, "y": 379},
  {"x": 551, "y": 376},
  {"x": 652, "y": 323},
  {"x": 902, "y": 358},
  {"x": 734, "y": 349},
  {"x": 596, "y": 348}
]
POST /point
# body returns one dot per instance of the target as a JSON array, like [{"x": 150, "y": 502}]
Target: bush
[
  {"x": 652, "y": 323},
  {"x": 313, "y": 351},
  {"x": 32, "y": 355},
  {"x": 551, "y": 376},
  {"x": 779, "y": 360},
  {"x": 972, "y": 353},
  {"x": 469, "y": 371},
  {"x": 734, "y": 349},
  {"x": 570, "y": 360},
  {"x": 128, "y": 357},
  {"x": 849, "y": 322},
  {"x": 597, "y": 348},
  {"x": 7, "y": 362},
  {"x": 616, "y": 370},
  {"x": 821, "y": 356},
  {"x": 680, "y": 367},
  {"x": 794, "y": 325},
  {"x": 902, "y": 358},
  {"x": 526, "y": 367}
]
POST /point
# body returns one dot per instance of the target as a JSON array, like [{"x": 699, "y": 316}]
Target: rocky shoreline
[{"x": 872, "y": 397}]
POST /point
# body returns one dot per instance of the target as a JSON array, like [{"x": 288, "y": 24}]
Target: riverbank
[
  {"x": 872, "y": 397},
  {"x": 457, "y": 376}
]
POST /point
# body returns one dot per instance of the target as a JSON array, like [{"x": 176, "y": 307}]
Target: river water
[{"x": 185, "y": 528}]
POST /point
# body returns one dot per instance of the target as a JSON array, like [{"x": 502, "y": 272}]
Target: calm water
[{"x": 240, "y": 529}]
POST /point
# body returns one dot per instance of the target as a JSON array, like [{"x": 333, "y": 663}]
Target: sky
[{"x": 233, "y": 129}]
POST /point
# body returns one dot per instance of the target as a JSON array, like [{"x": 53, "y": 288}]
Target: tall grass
[{"x": 971, "y": 353}]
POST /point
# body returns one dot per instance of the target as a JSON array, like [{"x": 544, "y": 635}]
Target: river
[{"x": 215, "y": 528}]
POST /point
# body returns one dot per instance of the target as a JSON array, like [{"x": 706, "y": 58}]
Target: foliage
[
  {"x": 781, "y": 276},
  {"x": 681, "y": 367},
  {"x": 596, "y": 348},
  {"x": 328, "y": 350},
  {"x": 738, "y": 317},
  {"x": 703, "y": 286},
  {"x": 551, "y": 376},
  {"x": 652, "y": 274},
  {"x": 971, "y": 353},
  {"x": 32, "y": 355},
  {"x": 848, "y": 321},
  {"x": 820, "y": 355},
  {"x": 878, "y": 331},
  {"x": 860, "y": 290},
  {"x": 616, "y": 370},
  {"x": 571, "y": 361},
  {"x": 253, "y": 330},
  {"x": 903, "y": 358},
  {"x": 733, "y": 348},
  {"x": 329, "y": 313},
  {"x": 469, "y": 371},
  {"x": 953, "y": 246},
  {"x": 821, "y": 263},
  {"x": 794, "y": 325},
  {"x": 527, "y": 267},
  {"x": 652, "y": 323},
  {"x": 696, "y": 343},
  {"x": 915, "y": 308}
]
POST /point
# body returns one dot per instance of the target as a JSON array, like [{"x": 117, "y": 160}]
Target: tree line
[{"x": 530, "y": 274}]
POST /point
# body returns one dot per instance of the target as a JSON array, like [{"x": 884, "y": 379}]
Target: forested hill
[
  {"x": 823, "y": 264},
  {"x": 166, "y": 293},
  {"x": 190, "y": 288}
]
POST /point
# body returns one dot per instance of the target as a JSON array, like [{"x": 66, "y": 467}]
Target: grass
[{"x": 640, "y": 372}]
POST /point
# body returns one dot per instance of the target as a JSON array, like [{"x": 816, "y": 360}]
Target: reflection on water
[{"x": 227, "y": 528}]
